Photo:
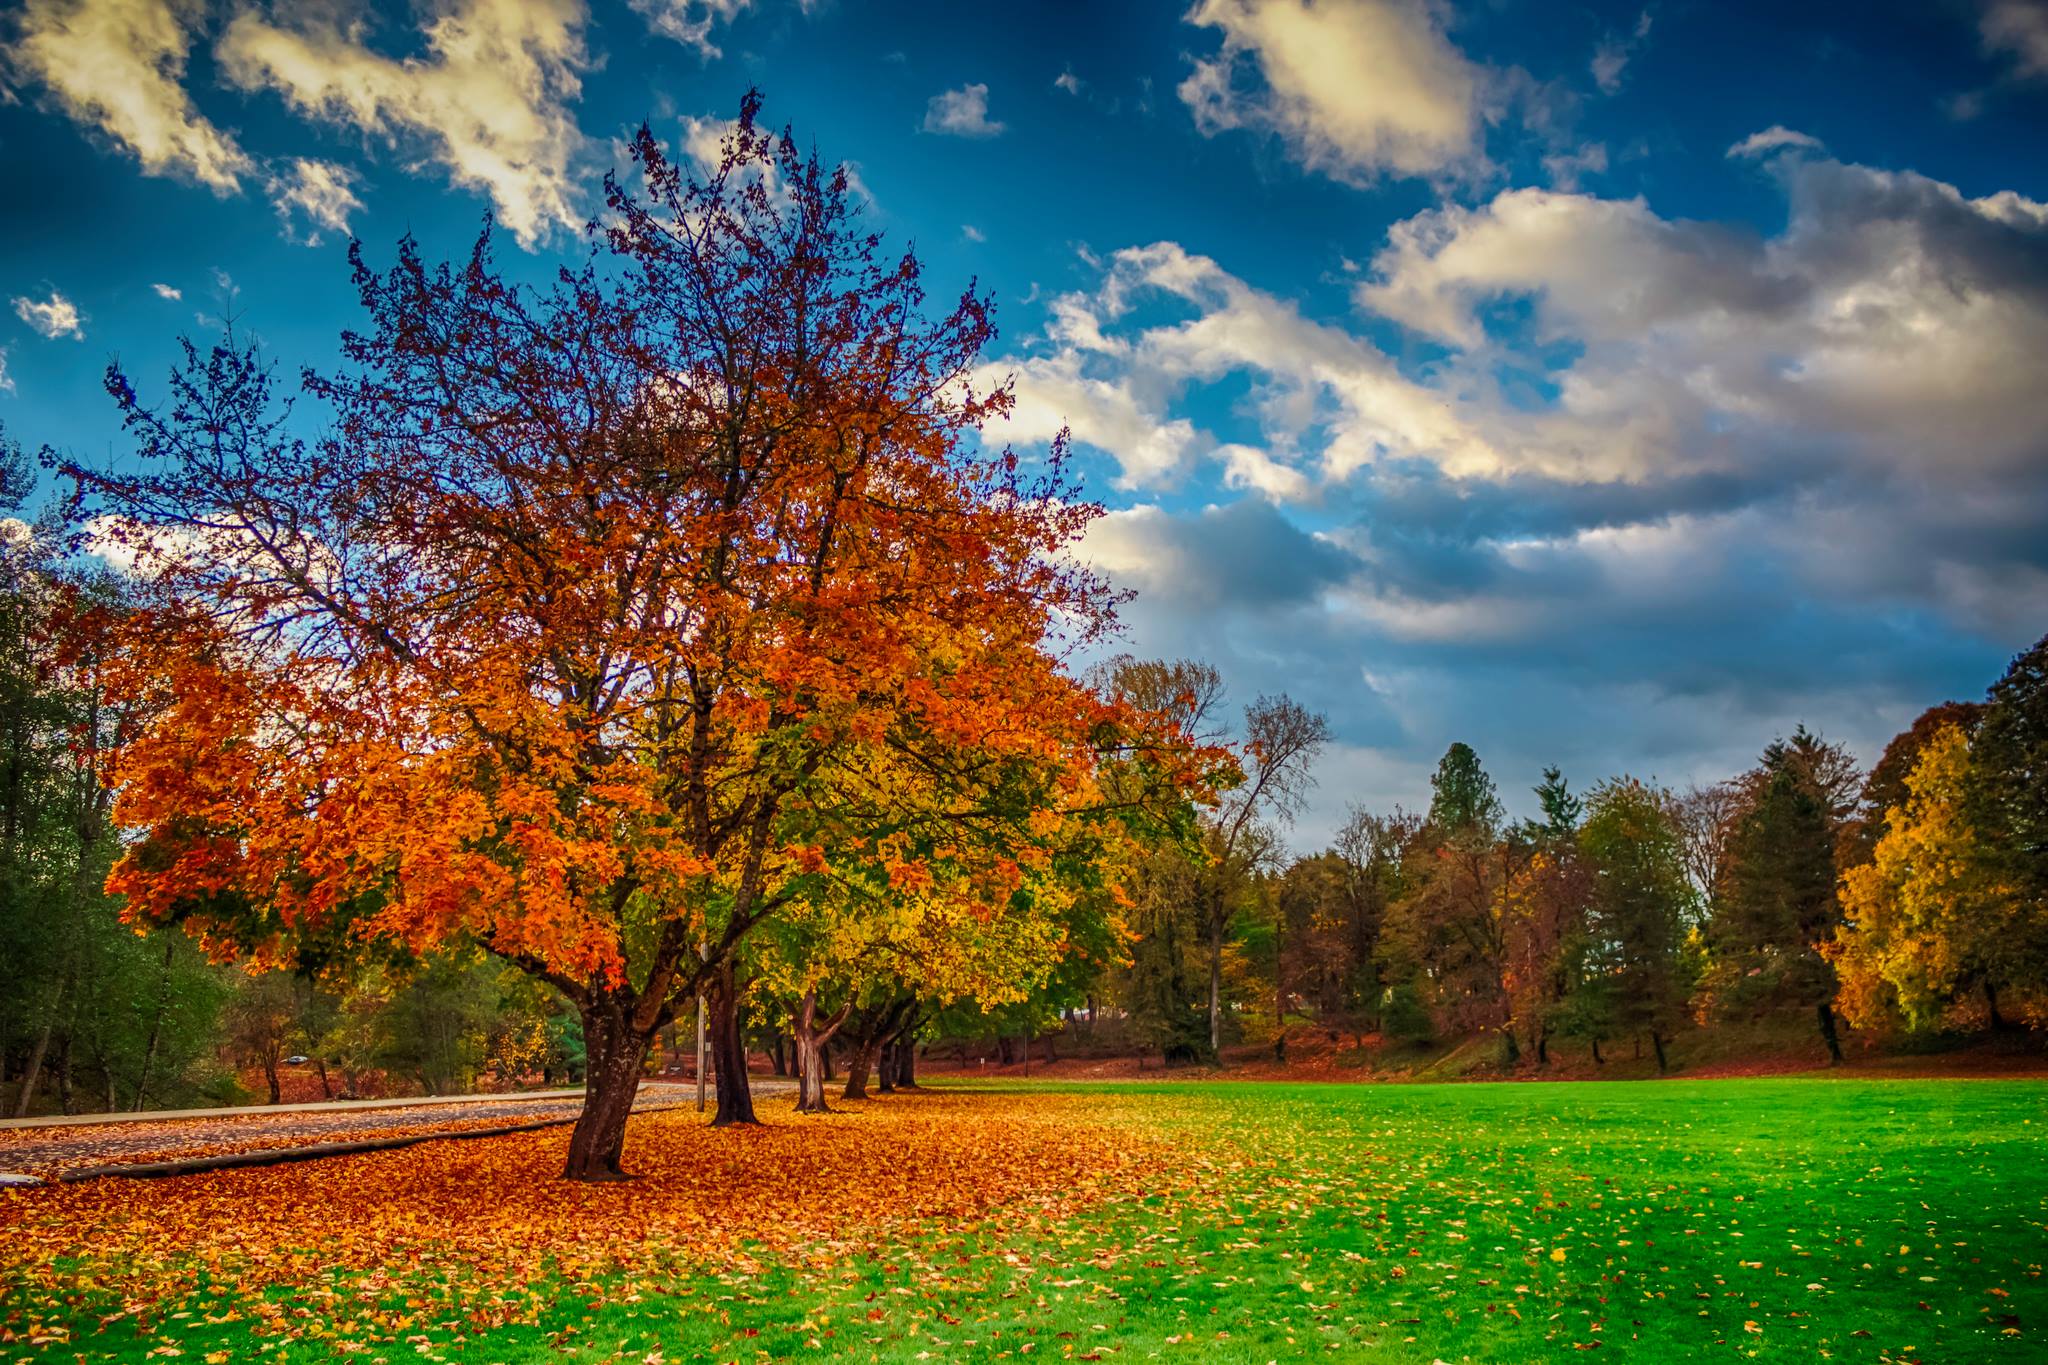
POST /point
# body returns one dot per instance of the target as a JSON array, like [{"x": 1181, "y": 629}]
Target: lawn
[{"x": 1765, "y": 1219}]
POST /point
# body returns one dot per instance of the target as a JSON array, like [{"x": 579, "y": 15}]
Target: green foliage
[
  {"x": 1463, "y": 801},
  {"x": 1641, "y": 902},
  {"x": 2008, "y": 799},
  {"x": 1777, "y": 906}
]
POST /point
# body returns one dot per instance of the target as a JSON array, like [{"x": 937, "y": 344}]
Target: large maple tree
[{"x": 587, "y": 624}]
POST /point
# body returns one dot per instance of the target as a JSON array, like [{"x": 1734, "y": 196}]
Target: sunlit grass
[{"x": 1777, "y": 1219}]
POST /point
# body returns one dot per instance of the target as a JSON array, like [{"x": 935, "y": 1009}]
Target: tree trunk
[
  {"x": 1216, "y": 984},
  {"x": 728, "y": 1050},
  {"x": 810, "y": 1052},
  {"x": 64, "y": 1074},
  {"x": 1991, "y": 1005},
  {"x": 270, "y": 1075},
  {"x": 775, "y": 1055},
  {"x": 614, "y": 1053},
  {"x": 327, "y": 1089},
  {"x": 1543, "y": 1047},
  {"x": 1657, "y": 1042},
  {"x": 885, "y": 1068},
  {"x": 34, "y": 1069},
  {"x": 1825, "y": 1012},
  {"x": 858, "y": 1063},
  {"x": 1511, "y": 1050},
  {"x": 906, "y": 1077},
  {"x": 1598, "y": 1060},
  {"x": 156, "y": 1026}
]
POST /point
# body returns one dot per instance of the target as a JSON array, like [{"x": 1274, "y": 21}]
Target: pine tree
[{"x": 1778, "y": 904}]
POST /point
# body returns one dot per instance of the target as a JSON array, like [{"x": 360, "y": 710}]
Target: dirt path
[{"x": 48, "y": 1152}]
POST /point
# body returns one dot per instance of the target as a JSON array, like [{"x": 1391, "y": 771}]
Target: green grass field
[{"x": 1768, "y": 1219}]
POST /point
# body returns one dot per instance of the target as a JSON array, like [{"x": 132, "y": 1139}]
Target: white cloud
[
  {"x": 116, "y": 65},
  {"x": 1566, "y": 169},
  {"x": 2018, "y": 29},
  {"x": 1068, "y": 82},
  {"x": 320, "y": 192},
  {"x": 1615, "y": 52},
  {"x": 1893, "y": 318},
  {"x": 1053, "y": 394},
  {"x": 54, "y": 317},
  {"x": 6, "y": 380},
  {"x": 961, "y": 113},
  {"x": 690, "y": 21},
  {"x": 1775, "y": 138},
  {"x": 1679, "y": 421},
  {"x": 1327, "y": 401},
  {"x": 490, "y": 102},
  {"x": 1356, "y": 88},
  {"x": 973, "y": 233},
  {"x": 164, "y": 291}
]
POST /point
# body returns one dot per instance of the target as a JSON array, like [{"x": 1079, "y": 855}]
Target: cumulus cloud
[
  {"x": 117, "y": 66},
  {"x": 1674, "y": 485},
  {"x": 1893, "y": 323},
  {"x": 1327, "y": 401},
  {"x": 1245, "y": 553},
  {"x": 164, "y": 291},
  {"x": 1356, "y": 89},
  {"x": 6, "y": 380},
  {"x": 1776, "y": 138},
  {"x": 1053, "y": 394},
  {"x": 54, "y": 317},
  {"x": 2017, "y": 29},
  {"x": 490, "y": 101},
  {"x": 691, "y": 22},
  {"x": 961, "y": 113},
  {"x": 320, "y": 192}
]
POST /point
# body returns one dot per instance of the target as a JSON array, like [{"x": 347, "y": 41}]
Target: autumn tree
[
  {"x": 1932, "y": 916},
  {"x": 574, "y": 630},
  {"x": 1448, "y": 934},
  {"x": 1543, "y": 914},
  {"x": 257, "y": 1024},
  {"x": 1372, "y": 851},
  {"x": 1886, "y": 788},
  {"x": 1281, "y": 741},
  {"x": 1705, "y": 816}
]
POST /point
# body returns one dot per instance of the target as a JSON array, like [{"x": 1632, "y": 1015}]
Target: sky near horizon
[{"x": 1607, "y": 385}]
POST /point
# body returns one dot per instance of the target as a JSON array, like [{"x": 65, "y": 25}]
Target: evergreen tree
[
  {"x": 1561, "y": 808},
  {"x": 1463, "y": 800},
  {"x": 2008, "y": 799},
  {"x": 1777, "y": 907}
]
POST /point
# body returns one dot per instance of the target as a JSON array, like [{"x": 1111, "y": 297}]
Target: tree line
[{"x": 1911, "y": 899}]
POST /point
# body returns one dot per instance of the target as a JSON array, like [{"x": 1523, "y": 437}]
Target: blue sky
[{"x": 1612, "y": 386}]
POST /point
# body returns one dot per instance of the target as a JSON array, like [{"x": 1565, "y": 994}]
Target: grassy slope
[{"x": 1776, "y": 1219}]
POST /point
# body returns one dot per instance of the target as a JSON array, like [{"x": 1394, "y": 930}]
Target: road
[{"x": 51, "y": 1148}]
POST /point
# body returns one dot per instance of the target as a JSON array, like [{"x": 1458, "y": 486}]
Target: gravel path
[{"x": 47, "y": 1152}]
